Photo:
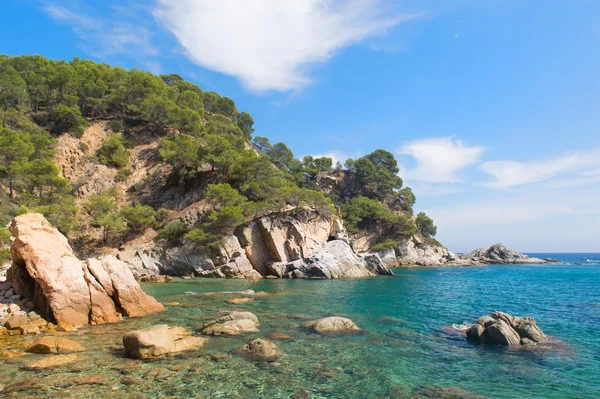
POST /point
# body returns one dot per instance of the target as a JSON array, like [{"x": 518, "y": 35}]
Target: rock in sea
[
  {"x": 330, "y": 325},
  {"x": 504, "y": 329},
  {"x": 158, "y": 341}
]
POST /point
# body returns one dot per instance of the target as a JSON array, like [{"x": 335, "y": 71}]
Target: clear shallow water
[{"x": 409, "y": 343}]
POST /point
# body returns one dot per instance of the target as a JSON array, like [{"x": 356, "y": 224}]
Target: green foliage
[
  {"x": 203, "y": 240},
  {"x": 172, "y": 232},
  {"x": 138, "y": 216},
  {"x": 425, "y": 225},
  {"x": 262, "y": 144},
  {"x": 112, "y": 224},
  {"x": 68, "y": 119},
  {"x": 224, "y": 195},
  {"x": 280, "y": 155},
  {"x": 116, "y": 125},
  {"x": 366, "y": 214},
  {"x": 375, "y": 175},
  {"x": 226, "y": 218},
  {"x": 385, "y": 245},
  {"x": 122, "y": 175},
  {"x": 5, "y": 235},
  {"x": 112, "y": 152}
]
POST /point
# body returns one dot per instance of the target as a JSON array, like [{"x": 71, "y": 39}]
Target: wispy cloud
[
  {"x": 511, "y": 174},
  {"x": 336, "y": 156},
  {"x": 119, "y": 33},
  {"x": 439, "y": 160},
  {"x": 271, "y": 44}
]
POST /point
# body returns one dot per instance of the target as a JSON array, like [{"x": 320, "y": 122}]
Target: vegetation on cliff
[{"x": 206, "y": 140}]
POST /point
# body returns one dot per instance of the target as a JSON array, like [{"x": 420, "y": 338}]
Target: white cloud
[
  {"x": 439, "y": 159},
  {"x": 510, "y": 174},
  {"x": 270, "y": 44}
]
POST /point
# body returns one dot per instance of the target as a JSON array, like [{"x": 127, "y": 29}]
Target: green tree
[
  {"x": 12, "y": 87},
  {"x": 245, "y": 122},
  {"x": 138, "y": 216},
  {"x": 262, "y": 144},
  {"x": 425, "y": 225},
  {"x": 280, "y": 155},
  {"x": 224, "y": 195},
  {"x": 113, "y": 152}
]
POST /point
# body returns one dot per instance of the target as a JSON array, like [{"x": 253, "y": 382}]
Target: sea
[{"x": 413, "y": 346}]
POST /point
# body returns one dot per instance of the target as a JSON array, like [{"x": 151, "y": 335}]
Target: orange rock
[
  {"x": 237, "y": 301},
  {"x": 52, "y": 361},
  {"x": 47, "y": 345}
]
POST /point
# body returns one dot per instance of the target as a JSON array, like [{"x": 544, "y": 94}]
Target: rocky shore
[{"x": 418, "y": 252}]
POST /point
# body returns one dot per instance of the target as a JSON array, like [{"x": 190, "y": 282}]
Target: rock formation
[
  {"x": 332, "y": 325},
  {"x": 261, "y": 350},
  {"x": 65, "y": 289},
  {"x": 283, "y": 246},
  {"x": 418, "y": 252},
  {"x": 234, "y": 323},
  {"x": 504, "y": 329},
  {"x": 499, "y": 254},
  {"x": 158, "y": 341}
]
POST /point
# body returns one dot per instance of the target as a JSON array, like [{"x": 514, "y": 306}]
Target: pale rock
[
  {"x": 332, "y": 325},
  {"x": 52, "y": 344},
  {"x": 336, "y": 260},
  {"x": 158, "y": 341},
  {"x": 261, "y": 350}
]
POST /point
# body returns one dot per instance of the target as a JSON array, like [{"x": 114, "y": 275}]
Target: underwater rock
[
  {"x": 52, "y": 361},
  {"x": 332, "y": 325},
  {"x": 47, "y": 345},
  {"x": 234, "y": 323},
  {"x": 261, "y": 350},
  {"x": 504, "y": 329},
  {"x": 237, "y": 301},
  {"x": 159, "y": 340}
]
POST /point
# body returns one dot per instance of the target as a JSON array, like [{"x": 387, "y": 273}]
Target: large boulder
[
  {"x": 332, "y": 325},
  {"x": 158, "y": 341},
  {"x": 417, "y": 252},
  {"x": 504, "y": 329},
  {"x": 65, "y": 289},
  {"x": 234, "y": 323},
  {"x": 336, "y": 260},
  {"x": 262, "y": 350}
]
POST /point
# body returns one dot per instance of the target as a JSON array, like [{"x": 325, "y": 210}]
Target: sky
[{"x": 492, "y": 107}]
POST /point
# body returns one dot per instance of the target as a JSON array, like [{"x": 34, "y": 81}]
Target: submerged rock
[
  {"x": 234, "y": 323},
  {"x": 48, "y": 345},
  {"x": 504, "y": 329},
  {"x": 159, "y": 340},
  {"x": 65, "y": 289},
  {"x": 262, "y": 350},
  {"x": 52, "y": 361},
  {"x": 332, "y": 325}
]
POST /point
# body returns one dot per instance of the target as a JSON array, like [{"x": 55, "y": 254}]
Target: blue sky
[{"x": 492, "y": 107}]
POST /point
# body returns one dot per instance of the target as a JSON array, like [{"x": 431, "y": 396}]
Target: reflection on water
[{"x": 409, "y": 348}]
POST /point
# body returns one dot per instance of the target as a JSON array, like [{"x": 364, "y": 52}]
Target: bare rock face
[
  {"x": 417, "y": 252},
  {"x": 336, "y": 260},
  {"x": 158, "y": 341},
  {"x": 261, "y": 350},
  {"x": 65, "y": 289},
  {"x": 504, "y": 329},
  {"x": 332, "y": 325}
]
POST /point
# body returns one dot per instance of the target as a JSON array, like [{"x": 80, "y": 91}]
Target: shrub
[
  {"x": 116, "y": 125},
  {"x": 138, "y": 216},
  {"x": 425, "y": 225},
  {"x": 203, "y": 240},
  {"x": 122, "y": 175},
  {"x": 172, "y": 231},
  {"x": 113, "y": 151},
  {"x": 382, "y": 246}
]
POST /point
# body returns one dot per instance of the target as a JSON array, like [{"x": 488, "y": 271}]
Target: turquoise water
[{"x": 409, "y": 344}]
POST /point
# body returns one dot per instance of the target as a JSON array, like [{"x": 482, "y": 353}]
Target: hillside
[{"x": 124, "y": 161}]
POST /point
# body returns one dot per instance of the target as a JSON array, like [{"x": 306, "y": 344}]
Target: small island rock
[{"x": 504, "y": 329}]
